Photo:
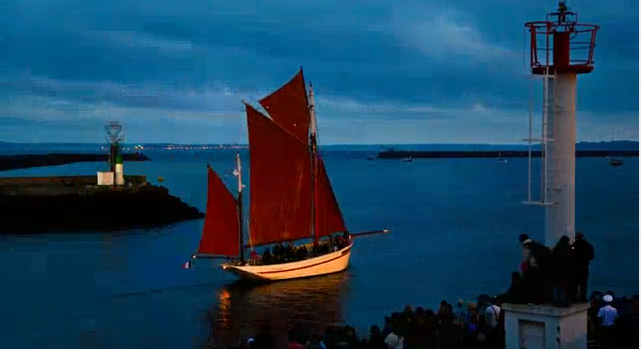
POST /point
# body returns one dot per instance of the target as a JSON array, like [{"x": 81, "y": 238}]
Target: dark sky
[{"x": 383, "y": 71}]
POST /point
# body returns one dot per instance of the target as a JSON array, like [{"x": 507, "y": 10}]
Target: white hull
[{"x": 321, "y": 265}]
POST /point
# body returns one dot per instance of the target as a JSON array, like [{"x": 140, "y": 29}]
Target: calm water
[{"x": 454, "y": 226}]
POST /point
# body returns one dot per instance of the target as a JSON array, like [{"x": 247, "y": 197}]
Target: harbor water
[{"x": 454, "y": 234}]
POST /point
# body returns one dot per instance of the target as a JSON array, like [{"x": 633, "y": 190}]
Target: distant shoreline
[{"x": 579, "y": 144}]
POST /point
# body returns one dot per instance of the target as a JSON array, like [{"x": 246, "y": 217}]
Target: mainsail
[
  {"x": 279, "y": 182},
  {"x": 221, "y": 227},
  {"x": 328, "y": 214},
  {"x": 289, "y": 108}
]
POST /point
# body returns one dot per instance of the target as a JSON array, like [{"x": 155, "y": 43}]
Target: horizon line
[{"x": 329, "y": 144}]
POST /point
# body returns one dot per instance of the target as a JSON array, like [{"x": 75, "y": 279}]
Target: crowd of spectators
[{"x": 473, "y": 325}]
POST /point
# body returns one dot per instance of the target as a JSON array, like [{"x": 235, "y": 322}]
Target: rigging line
[
  {"x": 246, "y": 203},
  {"x": 524, "y": 47}
]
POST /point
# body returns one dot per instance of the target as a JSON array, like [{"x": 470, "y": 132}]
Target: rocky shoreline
[{"x": 91, "y": 209}]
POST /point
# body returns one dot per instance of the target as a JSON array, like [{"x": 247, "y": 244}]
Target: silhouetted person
[
  {"x": 264, "y": 339},
  {"x": 278, "y": 253},
  {"x": 462, "y": 314},
  {"x": 442, "y": 310},
  {"x": 537, "y": 274},
  {"x": 523, "y": 240},
  {"x": 295, "y": 340},
  {"x": 267, "y": 257},
  {"x": 516, "y": 293},
  {"x": 315, "y": 342},
  {"x": 584, "y": 253},
  {"x": 563, "y": 271},
  {"x": 376, "y": 339},
  {"x": 290, "y": 254},
  {"x": 301, "y": 253}
]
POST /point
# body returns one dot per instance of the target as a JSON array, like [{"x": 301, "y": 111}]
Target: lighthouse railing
[{"x": 582, "y": 42}]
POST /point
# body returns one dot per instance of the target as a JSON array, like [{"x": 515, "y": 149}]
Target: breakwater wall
[
  {"x": 399, "y": 154},
  {"x": 61, "y": 181},
  {"x": 46, "y": 209},
  {"x": 14, "y": 162}
]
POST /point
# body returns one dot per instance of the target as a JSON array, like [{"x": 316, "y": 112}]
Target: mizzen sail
[
  {"x": 289, "y": 107},
  {"x": 279, "y": 182},
  {"x": 328, "y": 213},
  {"x": 221, "y": 228}
]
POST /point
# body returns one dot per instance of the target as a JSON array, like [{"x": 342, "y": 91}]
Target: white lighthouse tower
[{"x": 560, "y": 50}]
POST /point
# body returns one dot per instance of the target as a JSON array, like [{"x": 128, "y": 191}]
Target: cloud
[
  {"x": 443, "y": 37},
  {"x": 445, "y": 67},
  {"x": 215, "y": 96},
  {"x": 478, "y": 107},
  {"x": 133, "y": 39}
]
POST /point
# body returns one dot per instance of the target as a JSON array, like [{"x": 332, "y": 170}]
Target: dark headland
[
  {"x": 14, "y": 162},
  {"x": 36, "y": 205}
]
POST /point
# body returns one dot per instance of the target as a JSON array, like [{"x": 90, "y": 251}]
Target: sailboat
[
  {"x": 502, "y": 159},
  {"x": 291, "y": 196}
]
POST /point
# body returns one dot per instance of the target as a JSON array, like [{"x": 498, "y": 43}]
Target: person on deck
[
  {"x": 278, "y": 253},
  {"x": 290, "y": 255},
  {"x": 301, "y": 253},
  {"x": 253, "y": 257},
  {"x": 339, "y": 242},
  {"x": 267, "y": 256},
  {"x": 584, "y": 253}
]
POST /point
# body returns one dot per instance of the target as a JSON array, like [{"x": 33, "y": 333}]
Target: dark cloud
[{"x": 201, "y": 57}]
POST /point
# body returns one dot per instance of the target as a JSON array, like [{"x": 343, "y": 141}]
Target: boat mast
[
  {"x": 238, "y": 173},
  {"x": 313, "y": 140}
]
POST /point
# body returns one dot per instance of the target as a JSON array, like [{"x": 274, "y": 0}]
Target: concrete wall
[
  {"x": 62, "y": 180},
  {"x": 546, "y": 327}
]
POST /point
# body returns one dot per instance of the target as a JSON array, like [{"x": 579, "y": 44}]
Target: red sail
[
  {"x": 220, "y": 231},
  {"x": 328, "y": 213},
  {"x": 289, "y": 108},
  {"x": 279, "y": 182}
]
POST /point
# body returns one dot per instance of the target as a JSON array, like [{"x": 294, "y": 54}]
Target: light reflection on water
[{"x": 244, "y": 308}]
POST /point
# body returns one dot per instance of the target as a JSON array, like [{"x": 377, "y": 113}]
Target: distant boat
[
  {"x": 291, "y": 197},
  {"x": 408, "y": 159},
  {"x": 616, "y": 162},
  {"x": 502, "y": 159}
]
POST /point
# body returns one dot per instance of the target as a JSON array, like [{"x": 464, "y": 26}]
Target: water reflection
[{"x": 244, "y": 309}]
